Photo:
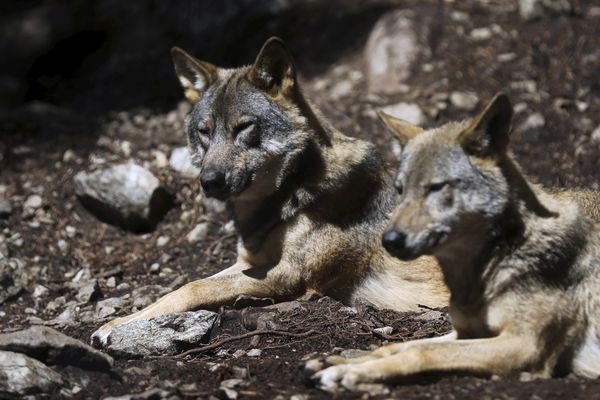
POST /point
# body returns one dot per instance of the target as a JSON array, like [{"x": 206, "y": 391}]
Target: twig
[{"x": 245, "y": 335}]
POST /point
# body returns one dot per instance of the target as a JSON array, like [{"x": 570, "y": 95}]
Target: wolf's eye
[
  {"x": 204, "y": 132},
  {"x": 243, "y": 128},
  {"x": 436, "y": 187}
]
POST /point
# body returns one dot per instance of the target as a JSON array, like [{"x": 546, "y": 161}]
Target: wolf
[
  {"x": 309, "y": 203},
  {"x": 522, "y": 264}
]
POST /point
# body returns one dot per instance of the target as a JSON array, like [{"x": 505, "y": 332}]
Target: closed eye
[
  {"x": 436, "y": 187},
  {"x": 204, "y": 132},
  {"x": 243, "y": 128}
]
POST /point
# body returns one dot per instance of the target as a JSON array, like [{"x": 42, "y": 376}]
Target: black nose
[
  {"x": 213, "y": 182},
  {"x": 394, "y": 242}
]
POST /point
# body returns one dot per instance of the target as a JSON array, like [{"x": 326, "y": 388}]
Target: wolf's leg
[
  {"x": 386, "y": 351},
  {"x": 210, "y": 293},
  {"x": 500, "y": 355}
]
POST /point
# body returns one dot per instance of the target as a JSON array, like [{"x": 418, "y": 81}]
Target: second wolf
[{"x": 522, "y": 264}]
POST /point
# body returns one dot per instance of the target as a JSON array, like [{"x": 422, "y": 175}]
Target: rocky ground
[{"x": 61, "y": 267}]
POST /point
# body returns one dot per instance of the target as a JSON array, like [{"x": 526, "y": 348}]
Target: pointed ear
[
  {"x": 401, "y": 129},
  {"x": 488, "y": 133},
  {"x": 195, "y": 75},
  {"x": 273, "y": 70}
]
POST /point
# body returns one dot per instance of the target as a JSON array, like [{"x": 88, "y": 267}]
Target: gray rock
[
  {"x": 145, "y": 295},
  {"x": 13, "y": 277},
  {"x": 167, "y": 334},
  {"x": 392, "y": 49},
  {"x": 181, "y": 162},
  {"x": 200, "y": 232},
  {"x": 107, "y": 307},
  {"x": 125, "y": 195},
  {"x": 5, "y": 207},
  {"x": 409, "y": 112},
  {"x": 464, "y": 100},
  {"x": 32, "y": 202},
  {"x": 24, "y": 376},
  {"x": 52, "y": 347},
  {"x": 89, "y": 292}
]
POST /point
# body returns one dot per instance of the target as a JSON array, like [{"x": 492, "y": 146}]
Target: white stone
[
  {"x": 464, "y": 100},
  {"x": 199, "y": 232},
  {"x": 533, "y": 121},
  {"x": 39, "y": 291},
  {"x": 162, "y": 240},
  {"x": 33, "y": 202},
  {"x": 480, "y": 34},
  {"x": 181, "y": 162},
  {"x": 160, "y": 159},
  {"x": 254, "y": 353},
  {"x": 409, "y": 112},
  {"x": 386, "y": 330}
]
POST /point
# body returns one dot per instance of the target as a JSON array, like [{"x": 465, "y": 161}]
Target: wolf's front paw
[
  {"x": 99, "y": 338},
  {"x": 348, "y": 376}
]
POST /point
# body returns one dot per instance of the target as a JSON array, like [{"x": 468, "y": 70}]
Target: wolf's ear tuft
[
  {"x": 195, "y": 75},
  {"x": 273, "y": 70},
  {"x": 488, "y": 133},
  {"x": 401, "y": 129}
]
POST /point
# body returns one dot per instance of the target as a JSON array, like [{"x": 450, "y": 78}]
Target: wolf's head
[
  {"x": 450, "y": 179},
  {"x": 247, "y": 124}
]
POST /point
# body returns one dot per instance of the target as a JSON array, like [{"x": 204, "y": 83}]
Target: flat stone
[
  {"x": 52, "y": 347},
  {"x": 165, "y": 335},
  {"x": 24, "y": 376},
  {"x": 125, "y": 195}
]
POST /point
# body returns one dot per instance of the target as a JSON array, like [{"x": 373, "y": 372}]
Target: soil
[{"x": 43, "y": 146}]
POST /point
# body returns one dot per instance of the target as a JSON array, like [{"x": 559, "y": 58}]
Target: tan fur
[
  {"x": 524, "y": 278},
  {"x": 326, "y": 231}
]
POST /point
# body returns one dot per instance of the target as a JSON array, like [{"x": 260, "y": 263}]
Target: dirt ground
[{"x": 43, "y": 147}]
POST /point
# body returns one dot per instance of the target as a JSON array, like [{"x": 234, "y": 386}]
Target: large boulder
[
  {"x": 125, "y": 195},
  {"x": 23, "y": 376},
  {"x": 52, "y": 347},
  {"x": 167, "y": 334}
]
